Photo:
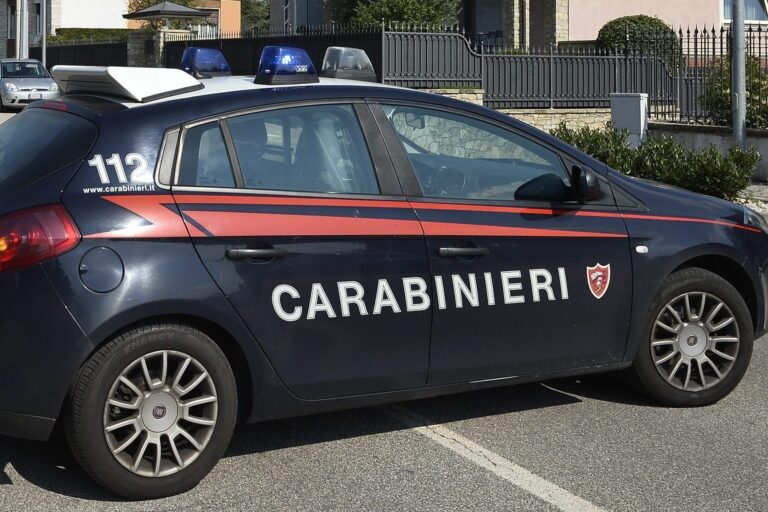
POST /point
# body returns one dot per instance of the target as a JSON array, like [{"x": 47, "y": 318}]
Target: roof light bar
[
  {"x": 348, "y": 63},
  {"x": 205, "y": 62},
  {"x": 280, "y": 65}
]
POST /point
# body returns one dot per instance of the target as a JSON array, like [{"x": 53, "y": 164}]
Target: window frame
[
  {"x": 384, "y": 172},
  {"x": 729, "y": 21},
  {"x": 411, "y": 185}
]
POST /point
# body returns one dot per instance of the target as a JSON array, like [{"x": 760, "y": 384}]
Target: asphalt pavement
[
  {"x": 4, "y": 116},
  {"x": 591, "y": 443}
]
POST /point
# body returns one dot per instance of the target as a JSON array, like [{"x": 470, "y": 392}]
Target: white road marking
[{"x": 493, "y": 462}]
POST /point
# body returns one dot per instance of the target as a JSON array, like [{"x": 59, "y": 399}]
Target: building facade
[{"x": 225, "y": 16}]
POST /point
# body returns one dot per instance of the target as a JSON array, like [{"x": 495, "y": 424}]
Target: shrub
[
  {"x": 437, "y": 12},
  {"x": 718, "y": 94},
  {"x": 664, "y": 160},
  {"x": 81, "y": 35},
  {"x": 644, "y": 32}
]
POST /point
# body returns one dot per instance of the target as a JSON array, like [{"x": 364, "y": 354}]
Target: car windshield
[{"x": 23, "y": 70}]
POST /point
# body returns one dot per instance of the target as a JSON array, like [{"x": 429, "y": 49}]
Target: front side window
[
  {"x": 460, "y": 157},
  {"x": 204, "y": 159},
  {"x": 304, "y": 149}
]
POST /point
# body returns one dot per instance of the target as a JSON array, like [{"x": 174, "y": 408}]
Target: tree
[
  {"x": 254, "y": 14},
  {"x": 437, "y": 12},
  {"x": 340, "y": 11},
  {"x": 137, "y": 5}
]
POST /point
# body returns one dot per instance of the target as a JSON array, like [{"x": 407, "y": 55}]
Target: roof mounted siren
[
  {"x": 348, "y": 63},
  {"x": 205, "y": 62},
  {"x": 280, "y": 65}
]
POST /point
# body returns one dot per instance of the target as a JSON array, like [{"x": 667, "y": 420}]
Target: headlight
[
  {"x": 54, "y": 87},
  {"x": 755, "y": 219},
  {"x": 11, "y": 87}
]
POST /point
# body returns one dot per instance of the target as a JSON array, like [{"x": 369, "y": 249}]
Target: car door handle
[
  {"x": 463, "y": 252},
  {"x": 255, "y": 254}
]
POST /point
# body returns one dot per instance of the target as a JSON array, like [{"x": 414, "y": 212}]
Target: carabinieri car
[{"x": 179, "y": 251}]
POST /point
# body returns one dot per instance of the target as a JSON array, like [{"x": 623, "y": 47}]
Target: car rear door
[
  {"x": 304, "y": 227},
  {"x": 526, "y": 279}
]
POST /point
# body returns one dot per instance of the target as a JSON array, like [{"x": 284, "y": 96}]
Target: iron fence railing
[{"x": 686, "y": 74}]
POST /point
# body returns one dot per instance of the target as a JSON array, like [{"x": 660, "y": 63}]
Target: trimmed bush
[
  {"x": 83, "y": 35},
  {"x": 644, "y": 33},
  {"x": 435, "y": 12},
  {"x": 664, "y": 160}
]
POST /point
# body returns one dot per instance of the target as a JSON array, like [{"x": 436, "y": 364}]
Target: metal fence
[
  {"x": 84, "y": 54},
  {"x": 685, "y": 74}
]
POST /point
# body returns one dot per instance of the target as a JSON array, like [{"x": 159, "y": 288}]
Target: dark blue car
[{"x": 178, "y": 253}]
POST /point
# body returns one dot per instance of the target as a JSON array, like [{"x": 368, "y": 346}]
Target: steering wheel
[{"x": 445, "y": 182}]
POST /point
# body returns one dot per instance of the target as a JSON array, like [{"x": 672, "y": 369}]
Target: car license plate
[{"x": 36, "y": 96}]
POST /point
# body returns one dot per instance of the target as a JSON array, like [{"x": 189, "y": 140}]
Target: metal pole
[
  {"x": 738, "y": 76},
  {"x": 44, "y": 13},
  {"x": 24, "y": 29},
  {"x": 18, "y": 28}
]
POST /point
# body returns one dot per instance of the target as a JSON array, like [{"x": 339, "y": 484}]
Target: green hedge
[
  {"x": 82, "y": 35},
  {"x": 664, "y": 160}
]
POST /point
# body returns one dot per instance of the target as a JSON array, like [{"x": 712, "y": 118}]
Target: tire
[
  {"x": 93, "y": 428},
  {"x": 695, "y": 340}
]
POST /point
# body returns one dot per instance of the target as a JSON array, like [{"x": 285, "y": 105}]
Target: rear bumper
[
  {"x": 41, "y": 350},
  {"x": 26, "y": 426}
]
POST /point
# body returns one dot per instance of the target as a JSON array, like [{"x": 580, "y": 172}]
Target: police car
[{"x": 180, "y": 250}]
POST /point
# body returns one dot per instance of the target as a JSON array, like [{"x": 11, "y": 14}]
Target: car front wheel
[
  {"x": 152, "y": 411},
  {"x": 697, "y": 342}
]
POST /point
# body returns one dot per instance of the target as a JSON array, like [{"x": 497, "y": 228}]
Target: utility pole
[
  {"x": 44, "y": 42},
  {"x": 22, "y": 29},
  {"x": 738, "y": 78}
]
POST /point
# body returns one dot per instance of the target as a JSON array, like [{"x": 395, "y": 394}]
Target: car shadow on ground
[{"x": 50, "y": 466}]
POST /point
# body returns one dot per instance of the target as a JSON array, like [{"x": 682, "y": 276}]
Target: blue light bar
[
  {"x": 205, "y": 62},
  {"x": 281, "y": 66}
]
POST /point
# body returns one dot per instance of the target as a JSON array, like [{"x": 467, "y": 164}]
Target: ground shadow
[{"x": 51, "y": 466}]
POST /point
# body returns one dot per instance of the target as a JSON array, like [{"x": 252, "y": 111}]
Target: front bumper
[
  {"x": 21, "y": 99},
  {"x": 41, "y": 350}
]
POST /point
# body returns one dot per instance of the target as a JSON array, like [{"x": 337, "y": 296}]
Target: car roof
[{"x": 240, "y": 83}]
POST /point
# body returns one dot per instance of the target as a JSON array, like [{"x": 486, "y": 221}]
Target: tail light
[{"x": 37, "y": 234}]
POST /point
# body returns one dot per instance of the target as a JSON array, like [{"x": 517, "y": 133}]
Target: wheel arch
[
  {"x": 224, "y": 339},
  {"x": 731, "y": 271}
]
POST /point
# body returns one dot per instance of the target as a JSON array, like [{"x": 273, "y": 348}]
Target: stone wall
[
  {"x": 548, "y": 119},
  {"x": 515, "y": 22},
  {"x": 3, "y": 29},
  {"x": 470, "y": 95},
  {"x": 701, "y": 137}
]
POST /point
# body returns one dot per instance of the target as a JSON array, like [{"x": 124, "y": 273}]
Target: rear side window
[
  {"x": 204, "y": 159},
  {"x": 304, "y": 149},
  {"x": 38, "y": 142}
]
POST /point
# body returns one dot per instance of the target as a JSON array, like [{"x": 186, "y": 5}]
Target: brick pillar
[
  {"x": 515, "y": 21},
  {"x": 146, "y": 49},
  {"x": 549, "y": 22},
  {"x": 3, "y": 28}
]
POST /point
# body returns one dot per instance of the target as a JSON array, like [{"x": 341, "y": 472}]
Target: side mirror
[
  {"x": 586, "y": 183},
  {"x": 415, "y": 120}
]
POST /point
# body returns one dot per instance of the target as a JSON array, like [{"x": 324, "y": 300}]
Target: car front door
[
  {"x": 526, "y": 278},
  {"x": 313, "y": 243}
]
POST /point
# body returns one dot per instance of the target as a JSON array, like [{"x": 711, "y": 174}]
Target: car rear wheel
[
  {"x": 152, "y": 411},
  {"x": 697, "y": 341}
]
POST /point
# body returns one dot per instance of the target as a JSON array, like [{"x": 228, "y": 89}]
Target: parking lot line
[{"x": 491, "y": 461}]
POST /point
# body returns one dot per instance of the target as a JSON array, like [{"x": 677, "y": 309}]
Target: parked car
[
  {"x": 182, "y": 253},
  {"x": 25, "y": 81}
]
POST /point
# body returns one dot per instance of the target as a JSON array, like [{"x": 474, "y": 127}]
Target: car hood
[
  {"x": 41, "y": 83},
  {"x": 662, "y": 199}
]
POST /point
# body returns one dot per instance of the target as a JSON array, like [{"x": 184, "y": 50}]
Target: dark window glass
[
  {"x": 461, "y": 157},
  {"x": 37, "y": 142},
  {"x": 304, "y": 149},
  {"x": 204, "y": 160},
  {"x": 24, "y": 70}
]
